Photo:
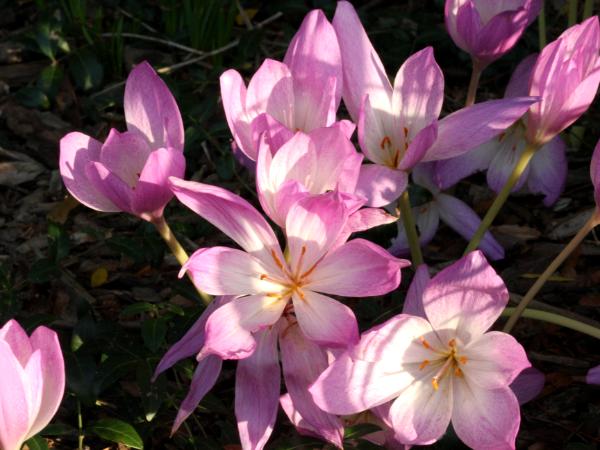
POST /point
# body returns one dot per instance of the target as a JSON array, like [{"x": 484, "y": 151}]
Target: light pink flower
[
  {"x": 32, "y": 382},
  {"x": 565, "y": 78},
  {"x": 488, "y": 29},
  {"x": 129, "y": 171},
  {"x": 398, "y": 126},
  {"x": 302, "y": 93},
  {"x": 440, "y": 369}
]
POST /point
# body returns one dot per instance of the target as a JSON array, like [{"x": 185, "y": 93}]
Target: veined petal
[
  {"x": 15, "y": 336},
  {"x": 518, "y": 85},
  {"x": 314, "y": 109},
  {"x": 290, "y": 410},
  {"x": 358, "y": 268},
  {"x": 427, "y": 218},
  {"x": 507, "y": 155},
  {"x": 484, "y": 418},
  {"x": 14, "y": 408},
  {"x": 324, "y": 320},
  {"x": 377, "y": 132},
  {"x": 151, "y": 109},
  {"x": 465, "y": 299},
  {"x": 380, "y": 185},
  {"x": 77, "y": 150},
  {"x": 257, "y": 383},
  {"x": 295, "y": 160},
  {"x": 233, "y": 215},
  {"x": 362, "y": 220},
  {"x": 419, "y": 146},
  {"x": 500, "y": 34},
  {"x": 303, "y": 361},
  {"x": 233, "y": 93},
  {"x": 125, "y": 155},
  {"x": 463, "y": 23},
  {"x": 369, "y": 77},
  {"x": 110, "y": 185},
  {"x": 413, "y": 304},
  {"x": 548, "y": 171}
]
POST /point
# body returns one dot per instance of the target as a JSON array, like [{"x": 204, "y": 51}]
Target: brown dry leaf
[
  {"x": 17, "y": 168},
  {"x": 521, "y": 233},
  {"x": 571, "y": 226},
  {"x": 60, "y": 212}
]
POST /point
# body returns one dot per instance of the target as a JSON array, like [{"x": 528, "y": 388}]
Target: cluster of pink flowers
[{"x": 434, "y": 364}]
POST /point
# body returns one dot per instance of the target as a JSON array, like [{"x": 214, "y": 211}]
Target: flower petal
[
  {"x": 125, "y": 155},
  {"x": 257, "y": 384},
  {"x": 151, "y": 109},
  {"x": 76, "y": 152},
  {"x": 16, "y": 337},
  {"x": 427, "y": 218},
  {"x": 548, "y": 171},
  {"x": 413, "y": 304},
  {"x": 380, "y": 185},
  {"x": 14, "y": 408},
  {"x": 233, "y": 94},
  {"x": 290, "y": 410},
  {"x": 508, "y": 153},
  {"x": 593, "y": 375},
  {"x": 528, "y": 385},
  {"x": 110, "y": 185},
  {"x": 518, "y": 85}
]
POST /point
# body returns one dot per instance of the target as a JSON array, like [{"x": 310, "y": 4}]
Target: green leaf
[
  {"x": 43, "y": 270},
  {"x": 37, "y": 443},
  {"x": 44, "y": 41},
  {"x": 154, "y": 332},
  {"x": 137, "y": 308},
  {"x": 87, "y": 71},
  {"x": 360, "y": 430},
  {"x": 112, "y": 369},
  {"x": 49, "y": 80},
  {"x": 33, "y": 97},
  {"x": 116, "y": 430}
]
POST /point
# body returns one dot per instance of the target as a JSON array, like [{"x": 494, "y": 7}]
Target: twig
[{"x": 166, "y": 42}]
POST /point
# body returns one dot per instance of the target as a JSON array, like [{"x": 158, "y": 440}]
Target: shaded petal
[
  {"x": 271, "y": 130},
  {"x": 485, "y": 418},
  {"x": 528, "y": 385},
  {"x": 151, "y": 109},
  {"x": 362, "y": 220},
  {"x": 14, "y": 407},
  {"x": 548, "y": 171},
  {"x": 419, "y": 146},
  {"x": 462, "y": 219},
  {"x": 500, "y": 34},
  {"x": 152, "y": 192},
  {"x": 77, "y": 150},
  {"x": 465, "y": 299},
  {"x": 470, "y": 127},
  {"x": 125, "y": 155},
  {"x": 427, "y": 219},
  {"x": 350, "y": 270},
  {"x": 15, "y": 336},
  {"x": 463, "y": 23},
  {"x": 375, "y": 126},
  {"x": 302, "y": 426},
  {"x": 257, "y": 383},
  {"x": 233, "y": 215},
  {"x": 325, "y": 320},
  {"x": 369, "y": 77},
  {"x": 233, "y": 94},
  {"x": 110, "y": 185},
  {"x": 303, "y": 361},
  {"x": 205, "y": 376},
  {"x": 593, "y": 375},
  {"x": 595, "y": 173},
  {"x": 413, "y": 304},
  {"x": 518, "y": 85},
  {"x": 508, "y": 153},
  {"x": 380, "y": 185}
]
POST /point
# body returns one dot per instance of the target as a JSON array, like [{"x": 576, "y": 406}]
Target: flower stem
[
  {"x": 556, "y": 319},
  {"x": 473, "y": 83},
  {"x": 80, "y": 435},
  {"x": 410, "y": 228},
  {"x": 554, "y": 265},
  {"x": 542, "y": 26},
  {"x": 491, "y": 214},
  {"x": 572, "y": 14},
  {"x": 178, "y": 251}
]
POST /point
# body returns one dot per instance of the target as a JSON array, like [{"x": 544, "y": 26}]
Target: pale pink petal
[
  {"x": 362, "y": 220},
  {"x": 205, "y": 376},
  {"x": 110, "y": 185},
  {"x": 375, "y": 132},
  {"x": 233, "y": 215},
  {"x": 275, "y": 134},
  {"x": 303, "y": 361},
  {"x": 369, "y": 77},
  {"x": 413, "y": 304},
  {"x": 419, "y": 146},
  {"x": 233, "y": 94},
  {"x": 257, "y": 384},
  {"x": 350, "y": 270},
  {"x": 470, "y": 127},
  {"x": 381, "y": 185},
  {"x": 315, "y": 108},
  {"x": 76, "y": 151},
  {"x": 151, "y": 110},
  {"x": 16, "y": 337},
  {"x": 125, "y": 155},
  {"x": 593, "y": 375},
  {"x": 14, "y": 408},
  {"x": 295, "y": 160},
  {"x": 418, "y": 92},
  {"x": 462, "y": 219},
  {"x": 465, "y": 299},
  {"x": 493, "y": 360},
  {"x": 528, "y": 385},
  {"x": 508, "y": 153},
  {"x": 324, "y": 320},
  {"x": 52, "y": 372},
  {"x": 548, "y": 171},
  {"x": 288, "y": 195},
  {"x": 485, "y": 418},
  {"x": 33, "y": 382},
  {"x": 302, "y": 426},
  {"x": 152, "y": 192}
]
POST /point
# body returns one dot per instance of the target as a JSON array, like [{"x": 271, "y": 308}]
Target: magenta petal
[
  {"x": 467, "y": 296},
  {"x": 485, "y": 418},
  {"x": 419, "y": 146},
  {"x": 257, "y": 384},
  {"x": 14, "y": 408},
  {"x": 76, "y": 151},
  {"x": 381, "y": 185},
  {"x": 462, "y": 219},
  {"x": 205, "y": 377},
  {"x": 274, "y": 133},
  {"x": 500, "y": 34},
  {"x": 302, "y": 426},
  {"x": 413, "y": 304},
  {"x": 303, "y": 362},
  {"x": 125, "y": 155},
  {"x": 593, "y": 375},
  {"x": 110, "y": 185},
  {"x": 233, "y": 93},
  {"x": 463, "y": 23},
  {"x": 528, "y": 385},
  {"x": 518, "y": 85},
  {"x": 508, "y": 153},
  {"x": 470, "y": 127},
  {"x": 151, "y": 110},
  {"x": 324, "y": 320},
  {"x": 152, "y": 192},
  {"x": 15, "y": 336},
  {"x": 548, "y": 171},
  {"x": 350, "y": 270}
]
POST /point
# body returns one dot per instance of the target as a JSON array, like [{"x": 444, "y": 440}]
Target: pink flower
[
  {"x": 398, "y": 126},
  {"x": 593, "y": 375},
  {"x": 436, "y": 370},
  {"x": 129, "y": 171},
  {"x": 565, "y": 77},
  {"x": 595, "y": 175},
  {"x": 33, "y": 382},
  {"x": 488, "y": 29},
  {"x": 302, "y": 93}
]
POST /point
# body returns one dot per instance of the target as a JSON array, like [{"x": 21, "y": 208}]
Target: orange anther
[
  {"x": 405, "y": 132},
  {"x": 385, "y": 142},
  {"x": 263, "y": 277},
  {"x": 425, "y": 343},
  {"x": 434, "y": 382},
  {"x": 423, "y": 364},
  {"x": 458, "y": 372},
  {"x": 452, "y": 342},
  {"x": 462, "y": 360}
]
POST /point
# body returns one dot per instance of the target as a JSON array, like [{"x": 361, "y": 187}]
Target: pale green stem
[
  {"x": 410, "y": 228},
  {"x": 178, "y": 251},
  {"x": 556, "y": 319},
  {"x": 572, "y": 14},
  {"x": 80, "y": 435},
  {"x": 542, "y": 26},
  {"x": 491, "y": 214},
  {"x": 553, "y": 267},
  {"x": 473, "y": 83},
  {"x": 588, "y": 9}
]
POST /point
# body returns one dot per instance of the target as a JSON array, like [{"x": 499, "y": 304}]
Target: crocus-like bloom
[
  {"x": 488, "y": 29},
  {"x": 302, "y": 93},
  {"x": 452, "y": 211},
  {"x": 33, "y": 382},
  {"x": 593, "y": 375},
  {"x": 546, "y": 173},
  {"x": 565, "y": 77},
  {"x": 129, "y": 171},
  {"x": 440, "y": 369},
  {"x": 398, "y": 126}
]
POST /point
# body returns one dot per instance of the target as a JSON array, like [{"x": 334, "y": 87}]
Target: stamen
[
  {"x": 386, "y": 142},
  {"x": 405, "y": 132},
  {"x": 300, "y": 261},
  {"x": 425, "y": 343},
  {"x": 276, "y": 259},
  {"x": 424, "y": 364},
  {"x": 452, "y": 343},
  {"x": 458, "y": 372},
  {"x": 463, "y": 360},
  {"x": 441, "y": 373}
]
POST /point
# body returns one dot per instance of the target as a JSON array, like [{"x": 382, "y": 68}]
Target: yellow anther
[{"x": 434, "y": 382}]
